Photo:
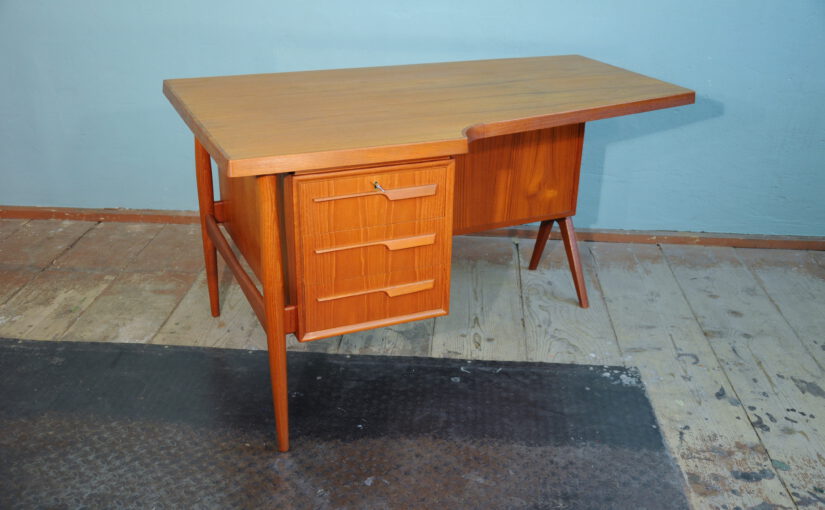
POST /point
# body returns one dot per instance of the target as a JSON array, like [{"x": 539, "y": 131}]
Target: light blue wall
[{"x": 83, "y": 122}]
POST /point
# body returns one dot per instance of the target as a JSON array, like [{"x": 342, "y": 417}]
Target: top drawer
[{"x": 363, "y": 198}]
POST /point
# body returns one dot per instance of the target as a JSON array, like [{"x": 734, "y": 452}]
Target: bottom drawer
[{"x": 373, "y": 301}]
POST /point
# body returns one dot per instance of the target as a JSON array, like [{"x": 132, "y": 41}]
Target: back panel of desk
[{"x": 520, "y": 178}]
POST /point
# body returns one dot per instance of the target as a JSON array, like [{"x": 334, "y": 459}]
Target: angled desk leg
[
  {"x": 571, "y": 246},
  {"x": 545, "y": 228},
  {"x": 206, "y": 205},
  {"x": 273, "y": 295}
]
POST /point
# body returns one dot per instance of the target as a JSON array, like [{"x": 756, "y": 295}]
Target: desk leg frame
[
  {"x": 206, "y": 206},
  {"x": 571, "y": 246},
  {"x": 273, "y": 294},
  {"x": 270, "y": 307}
]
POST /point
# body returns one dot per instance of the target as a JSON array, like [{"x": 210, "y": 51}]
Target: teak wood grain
[
  {"x": 206, "y": 204},
  {"x": 240, "y": 205},
  {"x": 347, "y": 200},
  {"x": 516, "y": 179},
  {"x": 390, "y": 244},
  {"x": 425, "y": 190},
  {"x": 362, "y": 260},
  {"x": 376, "y": 300},
  {"x": 287, "y": 122},
  {"x": 399, "y": 289},
  {"x": 273, "y": 295},
  {"x": 382, "y": 249}
]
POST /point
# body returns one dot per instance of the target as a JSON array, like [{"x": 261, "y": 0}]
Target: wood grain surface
[
  {"x": 777, "y": 379},
  {"x": 520, "y": 178},
  {"x": 38, "y": 243},
  {"x": 346, "y": 200},
  {"x": 382, "y": 249},
  {"x": 273, "y": 297},
  {"x": 355, "y": 265},
  {"x": 122, "y": 243},
  {"x": 555, "y": 328},
  {"x": 282, "y": 122},
  {"x": 486, "y": 314},
  {"x": 702, "y": 419}
]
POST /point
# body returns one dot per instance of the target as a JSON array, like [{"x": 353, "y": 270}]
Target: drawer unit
[{"x": 370, "y": 247}]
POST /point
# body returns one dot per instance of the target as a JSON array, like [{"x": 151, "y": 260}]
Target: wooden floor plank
[
  {"x": 795, "y": 283},
  {"x": 191, "y": 323},
  {"x": 12, "y": 280},
  {"x": 485, "y": 320},
  {"x": 108, "y": 247},
  {"x": 557, "y": 328},
  {"x": 772, "y": 372},
  {"x": 703, "y": 424},
  {"x": 818, "y": 256},
  {"x": 9, "y": 226},
  {"x": 174, "y": 248},
  {"x": 132, "y": 308},
  {"x": 38, "y": 242},
  {"x": 50, "y": 303},
  {"x": 409, "y": 339}
]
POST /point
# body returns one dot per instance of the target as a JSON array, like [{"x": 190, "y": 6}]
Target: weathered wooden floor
[{"x": 730, "y": 342}]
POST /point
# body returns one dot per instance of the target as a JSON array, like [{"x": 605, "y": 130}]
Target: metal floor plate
[{"x": 133, "y": 426}]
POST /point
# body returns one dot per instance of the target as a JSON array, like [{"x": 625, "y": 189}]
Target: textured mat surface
[{"x": 133, "y": 426}]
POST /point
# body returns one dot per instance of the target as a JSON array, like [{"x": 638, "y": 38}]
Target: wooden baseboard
[
  {"x": 118, "y": 215},
  {"x": 524, "y": 232},
  {"x": 673, "y": 237}
]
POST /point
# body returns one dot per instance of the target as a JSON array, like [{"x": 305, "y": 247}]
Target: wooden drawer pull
[
  {"x": 392, "y": 291},
  {"x": 391, "y": 194},
  {"x": 390, "y": 244}
]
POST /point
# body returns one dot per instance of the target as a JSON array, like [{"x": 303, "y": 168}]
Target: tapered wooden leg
[
  {"x": 571, "y": 246},
  {"x": 541, "y": 240},
  {"x": 273, "y": 287},
  {"x": 206, "y": 204}
]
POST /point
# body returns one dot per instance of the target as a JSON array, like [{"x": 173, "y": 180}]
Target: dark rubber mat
[{"x": 135, "y": 426}]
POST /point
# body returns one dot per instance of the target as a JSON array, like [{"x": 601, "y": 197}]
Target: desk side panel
[
  {"x": 240, "y": 199},
  {"x": 518, "y": 178}
]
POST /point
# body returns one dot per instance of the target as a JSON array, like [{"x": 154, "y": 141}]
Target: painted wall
[{"x": 83, "y": 122}]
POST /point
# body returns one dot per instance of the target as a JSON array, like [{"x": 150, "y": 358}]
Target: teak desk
[{"x": 342, "y": 189}]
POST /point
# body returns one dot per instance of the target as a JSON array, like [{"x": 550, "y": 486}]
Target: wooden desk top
[{"x": 273, "y": 123}]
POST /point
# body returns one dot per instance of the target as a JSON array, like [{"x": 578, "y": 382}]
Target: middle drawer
[{"x": 383, "y": 249}]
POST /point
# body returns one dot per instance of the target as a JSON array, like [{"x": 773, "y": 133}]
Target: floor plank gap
[
  {"x": 600, "y": 292},
  {"x": 759, "y": 279}
]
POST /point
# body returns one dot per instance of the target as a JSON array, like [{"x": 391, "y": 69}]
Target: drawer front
[
  {"x": 350, "y": 254},
  {"x": 372, "y": 301},
  {"x": 372, "y": 197}
]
